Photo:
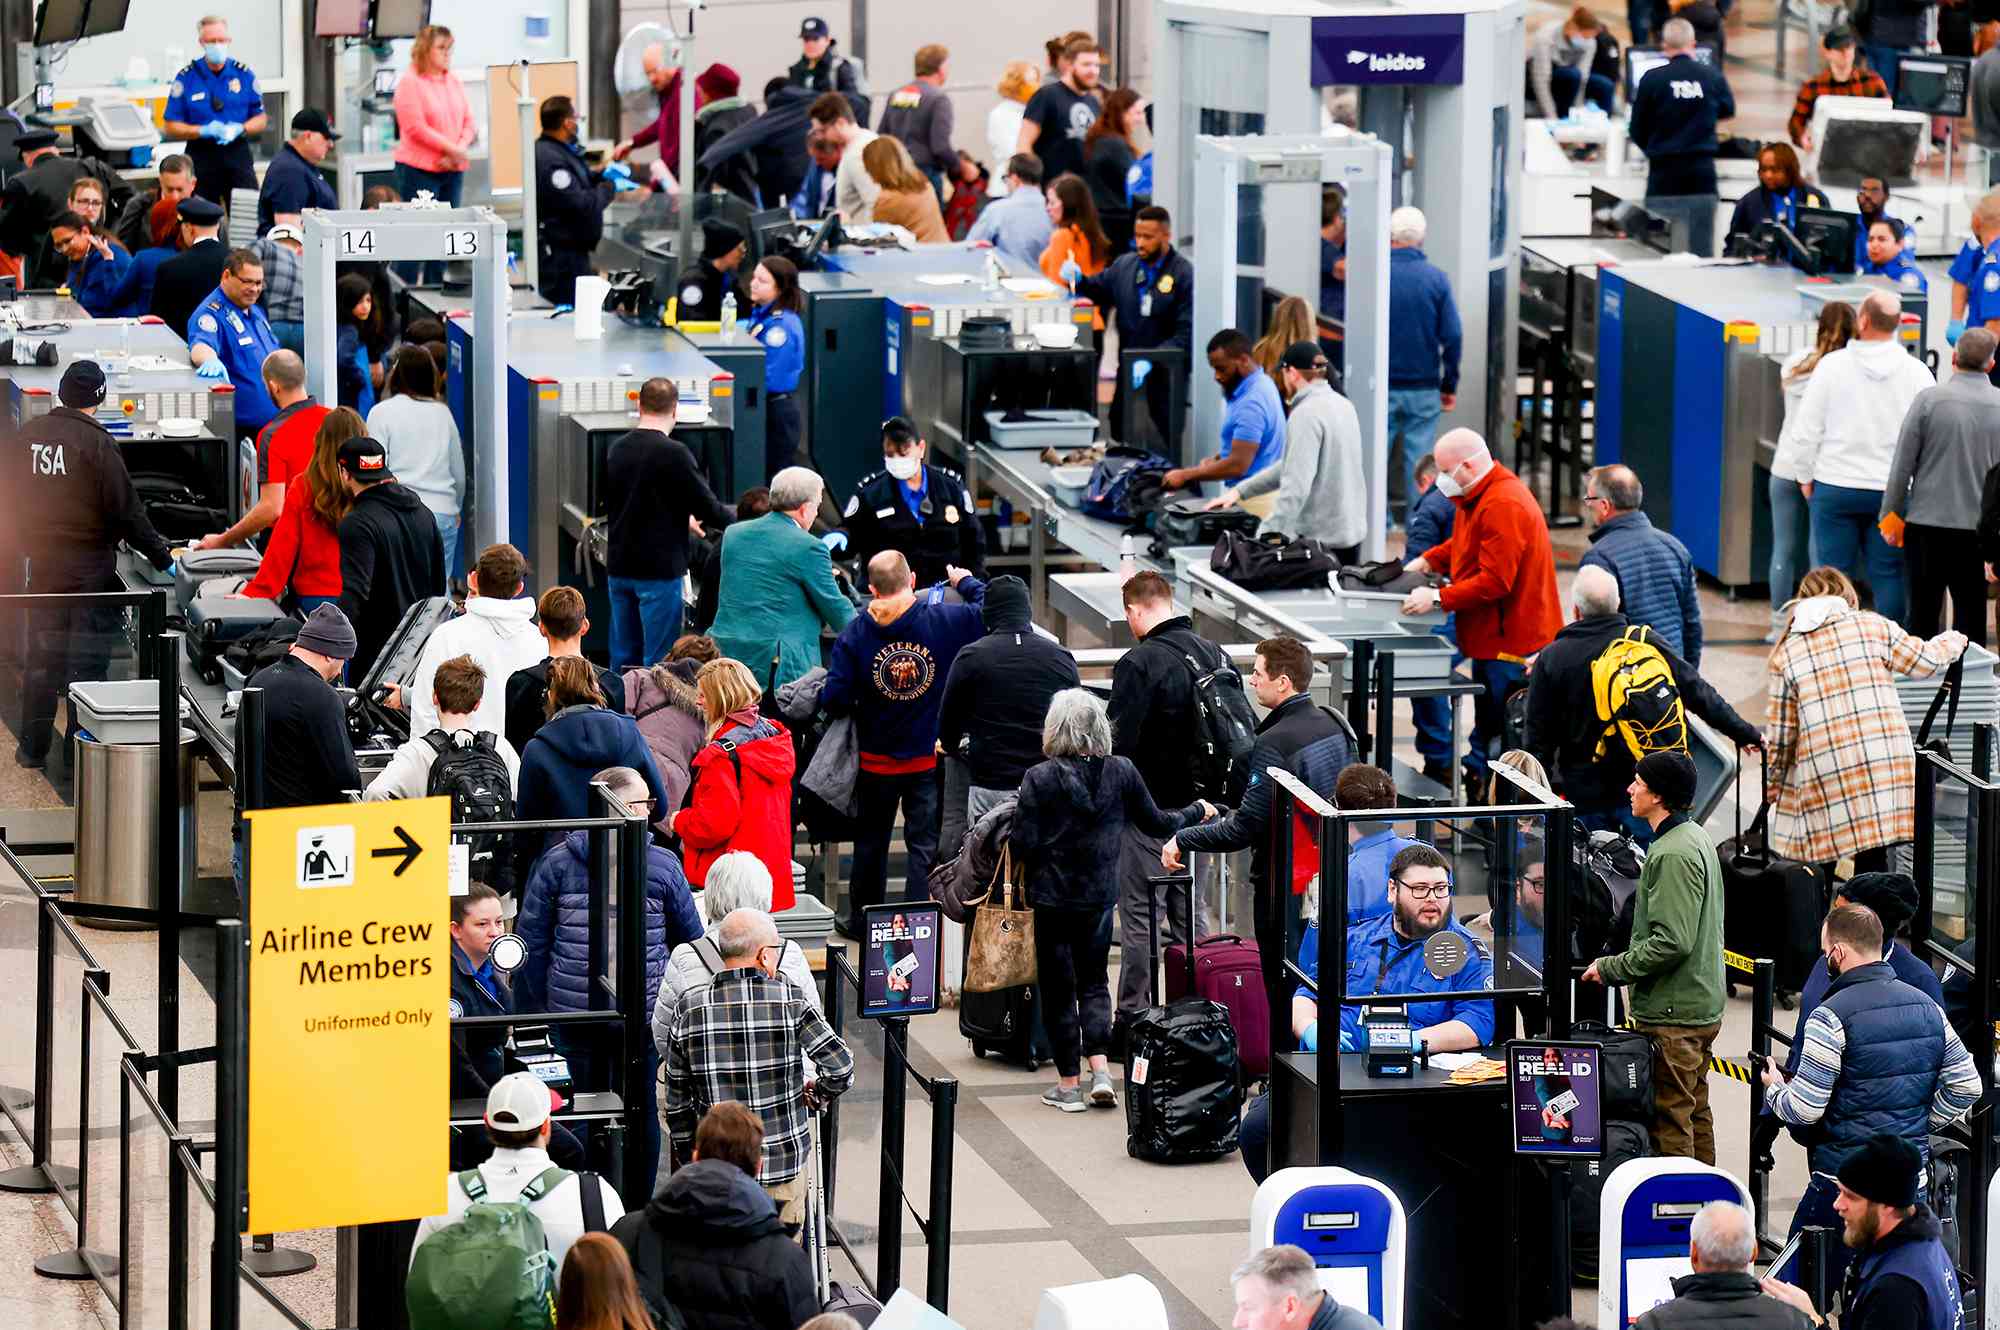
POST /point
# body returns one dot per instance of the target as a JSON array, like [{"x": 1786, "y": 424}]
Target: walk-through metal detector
[
  {"x": 473, "y": 236},
  {"x": 1264, "y": 195},
  {"x": 1441, "y": 86}
]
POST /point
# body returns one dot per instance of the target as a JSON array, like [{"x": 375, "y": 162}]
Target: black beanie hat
[
  {"x": 1886, "y": 1170},
  {"x": 1007, "y": 606},
  {"x": 1893, "y": 897},
  {"x": 82, "y": 385},
  {"x": 1670, "y": 776}
]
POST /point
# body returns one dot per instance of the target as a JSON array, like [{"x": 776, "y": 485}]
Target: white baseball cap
[
  {"x": 285, "y": 232},
  {"x": 518, "y": 1102}
]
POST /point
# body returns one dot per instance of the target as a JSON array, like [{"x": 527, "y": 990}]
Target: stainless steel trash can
[{"x": 117, "y": 823}]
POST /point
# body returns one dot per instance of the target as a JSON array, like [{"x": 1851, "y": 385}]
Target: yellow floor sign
[{"x": 350, "y": 1035}]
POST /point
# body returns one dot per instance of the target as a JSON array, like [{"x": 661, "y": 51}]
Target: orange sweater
[{"x": 1066, "y": 244}]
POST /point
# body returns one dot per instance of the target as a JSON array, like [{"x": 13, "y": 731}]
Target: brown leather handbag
[{"x": 1003, "y": 939}]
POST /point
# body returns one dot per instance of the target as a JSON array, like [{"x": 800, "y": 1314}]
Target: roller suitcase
[
  {"x": 1228, "y": 971},
  {"x": 1183, "y": 1079},
  {"x": 1006, "y": 1022},
  {"x": 1771, "y": 906},
  {"x": 216, "y": 618},
  {"x": 1623, "y": 1141},
  {"x": 198, "y": 567},
  {"x": 834, "y": 1296}
]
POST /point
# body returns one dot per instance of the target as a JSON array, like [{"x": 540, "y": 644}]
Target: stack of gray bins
[
  {"x": 809, "y": 922},
  {"x": 1978, "y": 703}
]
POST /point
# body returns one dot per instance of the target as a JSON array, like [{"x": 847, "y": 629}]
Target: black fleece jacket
[
  {"x": 390, "y": 558},
  {"x": 998, "y": 693}
]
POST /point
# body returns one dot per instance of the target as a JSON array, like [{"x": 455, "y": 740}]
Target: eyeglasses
[
  {"x": 1435, "y": 891},
  {"x": 1533, "y": 880}
]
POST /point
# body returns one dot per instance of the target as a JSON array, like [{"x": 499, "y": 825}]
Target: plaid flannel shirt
[
  {"x": 284, "y": 298},
  {"x": 1863, "y": 82},
  {"x": 740, "y": 1037}
]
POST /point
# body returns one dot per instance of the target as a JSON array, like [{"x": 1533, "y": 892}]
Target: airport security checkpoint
[{"x": 746, "y": 598}]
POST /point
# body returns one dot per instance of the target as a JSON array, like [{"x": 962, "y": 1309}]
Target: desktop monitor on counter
[
  {"x": 1641, "y": 60},
  {"x": 1857, "y": 137}
]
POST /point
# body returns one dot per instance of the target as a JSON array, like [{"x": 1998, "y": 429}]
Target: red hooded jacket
[
  {"x": 1502, "y": 570},
  {"x": 751, "y": 812}
]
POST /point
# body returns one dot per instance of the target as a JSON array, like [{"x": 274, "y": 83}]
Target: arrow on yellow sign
[{"x": 409, "y": 850}]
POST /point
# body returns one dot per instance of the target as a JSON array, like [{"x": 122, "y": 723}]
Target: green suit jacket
[{"x": 777, "y": 591}]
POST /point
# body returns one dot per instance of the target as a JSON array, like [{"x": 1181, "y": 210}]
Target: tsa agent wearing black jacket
[
  {"x": 655, "y": 486},
  {"x": 569, "y": 211},
  {"x": 1563, "y": 728},
  {"x": 1675, "y": 110},
  {"x": 997, "y": 695},
  {"x": 1761, "y": 205},
  {"x": 390, "y": 558},
  {"x": 711, "y": 1245},
  {"x": 1728, "y": 1298},
  {"x": 308, "y": 757},
  {"x": 185, "y": 280}
]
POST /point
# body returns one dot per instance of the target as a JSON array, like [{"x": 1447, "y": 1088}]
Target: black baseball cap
[
  {"x": 814, "y": 27},
  {"x": 1837, "y": 39},
  {"x": 365, "y": 459},
  {"x": 314, "y": 119},
  {"x": 29, "y": 140},
  {"x": 200, "y": 211},
  {"x": 1305, "y": 356}
]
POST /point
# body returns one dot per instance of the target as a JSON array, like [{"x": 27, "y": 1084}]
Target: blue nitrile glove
[
  {"x": 835, "y": 542},
  {"x": 620, "y": 184},
  {"x": 231, "y": 133},
  {"x": 1309, "y": 1041},
  {"x": 1140, "y": 369},
  {"x": 174, "y": 568},
  {"x": 211, "y": 368},
  {"x": 1953, "y": 331},
  {"x": 1348, "y": 1044},
  {"x": 215, "y": 129},
  {"x": 1070, "y": 272},
  {"x": 617, "y": 171}
]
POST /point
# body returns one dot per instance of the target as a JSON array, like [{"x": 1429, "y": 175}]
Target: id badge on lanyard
[{"x": 1146, "y": 305}]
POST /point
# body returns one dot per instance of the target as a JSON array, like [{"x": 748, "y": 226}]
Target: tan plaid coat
[{"x": 1841, "y": 766}]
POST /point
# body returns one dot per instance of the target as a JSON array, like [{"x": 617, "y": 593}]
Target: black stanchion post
[
  {"x": 1360, "y": 671},
  {"x": 836, "y": 1015},
  {"x": 633, "y": 845},
  {"x": 167, "y": 862},
  {"x": 152, "y": 615},
  {"x": 1816, "y": 1263},
  {"x": 1982, "y": 750},
  {"x": 33, "y": 1178},
  {"x": 889, "y": 1210},
  {"x": 944, "y": 1127},
  {"x": 232, "y": 961},
  {"x": 177, "y": 1242},
  {"x": 1975, "y": 1222},
  {"x": 1385, "y": 708},
  {"x": 1763, "y": 992}
]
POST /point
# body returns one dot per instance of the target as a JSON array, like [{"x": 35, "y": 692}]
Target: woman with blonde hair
[
  {"x": 907, "y": 199},
  {"x": 303, "y": 558},
  {"x": 741, "y": 794},
  {"x": 434, "y": 129},
  {"x": 1840, "y": 769},
  {"x": 1791, "y": 518},
  {"x": 1003, "y": 123},
  {"x": 1292, "y": 321}
]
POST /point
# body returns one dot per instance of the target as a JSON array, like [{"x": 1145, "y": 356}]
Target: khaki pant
[
  {"x": 790, "y": 1196},
  {"x": 1682, "y": 1123}
]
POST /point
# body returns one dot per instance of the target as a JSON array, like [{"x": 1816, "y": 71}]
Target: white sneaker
[{"x": 1102, "y": 1093}]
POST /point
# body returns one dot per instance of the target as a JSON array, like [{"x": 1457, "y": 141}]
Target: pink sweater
[{"x": 432, "y": 118}]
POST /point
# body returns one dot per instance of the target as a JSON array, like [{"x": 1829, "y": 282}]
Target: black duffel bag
[
  {"x": 1627, "y": 1068},
  {"x": 1188, "y": 522},
  {"x": 1271, "y": 562}
]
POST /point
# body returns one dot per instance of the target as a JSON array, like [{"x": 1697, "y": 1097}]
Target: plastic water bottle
[
  {"x": 729, "y": 317},
  {"x": 993, "y": 272},
  {"x": 1128, "y": 563}
]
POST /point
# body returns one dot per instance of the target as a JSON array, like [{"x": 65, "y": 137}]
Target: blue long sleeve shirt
[
  {"x": 890, "y": 676},
  {"x": 1425, "y": 336}
]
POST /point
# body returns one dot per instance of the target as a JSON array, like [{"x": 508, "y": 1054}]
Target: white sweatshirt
[
  {"x": 501, "y": 636},
  {"x": 1853, "y": 412}
]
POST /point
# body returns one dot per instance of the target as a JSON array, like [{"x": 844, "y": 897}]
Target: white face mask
[
  {"x": 216, "y": 52},
  {"x": 1452, "y": 489},
  {"x": 902, "y": 468}
]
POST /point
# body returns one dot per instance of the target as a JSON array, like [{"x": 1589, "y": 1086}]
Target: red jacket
[
  {"x": 304, "y": 553},
  {"x": 1502, "y": 570},
  {"x": 753, "y": 814}
]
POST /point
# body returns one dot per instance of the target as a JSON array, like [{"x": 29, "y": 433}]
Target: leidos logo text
[{"x": 1396, "y": 62}]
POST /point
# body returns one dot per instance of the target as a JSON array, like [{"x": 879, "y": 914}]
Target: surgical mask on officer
[
  {"x": 903, "y": 467},
  {"x": 215, "y": 52}
]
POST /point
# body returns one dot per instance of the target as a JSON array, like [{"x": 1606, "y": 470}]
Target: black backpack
[
  {"x": 476, "y": 779},
  {"x": 1225, "y": 729}
]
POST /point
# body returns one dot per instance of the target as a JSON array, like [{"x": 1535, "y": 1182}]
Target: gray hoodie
[
  {"x": 1949, "y": 441},
  {"x": 1321, "y": 491}
]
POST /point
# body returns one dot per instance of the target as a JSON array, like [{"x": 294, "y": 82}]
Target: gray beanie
[{"x": 328, "y": 632}]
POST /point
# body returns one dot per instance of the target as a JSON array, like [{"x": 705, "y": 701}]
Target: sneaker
[
  {"x": 1102, "y": 1094},
  {"x": 1069, "y": 1101}
]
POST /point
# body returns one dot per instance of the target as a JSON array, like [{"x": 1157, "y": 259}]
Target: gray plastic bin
[
  {"x": 120, "y": 711},
  {"x": 117, "y": 823},
  {"x": 1059, "y": 429}
]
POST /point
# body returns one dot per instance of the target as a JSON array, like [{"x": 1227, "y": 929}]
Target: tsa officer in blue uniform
[
  {"x": 775, "y": 305},
  {"x": 97, "y": 266},
  {"x": 1386, "y": 955},
  {"x": 909, "y": 505},
  {"x": 1779, "y": 195},
  {"x": 1982, "y": 297},
  {"x": 230, "y": 336},
  {"x": 214, "y": 104},
  {"x": 1150, "y": 293},
  {"x": 292, "y": 182},
  {"x": 1886, "y": 257}
]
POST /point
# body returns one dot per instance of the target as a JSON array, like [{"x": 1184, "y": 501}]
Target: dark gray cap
[{"x": 328, "y": 632}]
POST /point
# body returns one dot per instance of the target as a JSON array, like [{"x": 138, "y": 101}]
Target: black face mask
[{"x": 1832, "y": 970}]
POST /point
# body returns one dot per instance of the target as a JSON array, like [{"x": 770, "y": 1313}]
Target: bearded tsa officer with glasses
[
  {"x": 922, "y": 510},
  {"x": 1385, "y": 954}
]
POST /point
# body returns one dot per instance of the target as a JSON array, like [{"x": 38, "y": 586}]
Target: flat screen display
[
  {"x": 1933, "y": 84},
  {"x": 106, "y": 17},
  {"x": 1649, "y": 1282},
  {"x": 59, "y": 21},
  {"x": 1640, "y": 60},
  {"x": 1557, "y": 1105},
  {"x": 341, "y": 18},
  {"x": 899, "y": 961},
  {"x": 400, "y": 18}
]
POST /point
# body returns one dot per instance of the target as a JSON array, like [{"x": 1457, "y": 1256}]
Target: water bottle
[
  {"x": 1128, "y": 563},
  {"x": 992, "y": 271},
  {"x": 729, "y": 317}
]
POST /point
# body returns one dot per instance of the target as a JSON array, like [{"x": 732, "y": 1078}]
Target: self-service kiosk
[
  {"x": 1642, "y": 1234},
  {"x": 1129, "y": 1302},
  {"x": 1352, "y": 1226}
]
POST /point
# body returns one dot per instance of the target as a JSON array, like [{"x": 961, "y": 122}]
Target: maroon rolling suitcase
[{"x": 1227, "y": 970}]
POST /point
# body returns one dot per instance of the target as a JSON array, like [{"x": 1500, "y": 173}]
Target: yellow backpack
[{"x": 1637, "y": 697}]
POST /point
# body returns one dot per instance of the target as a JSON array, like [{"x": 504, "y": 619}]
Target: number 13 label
[{"x": 461, "y": 244}]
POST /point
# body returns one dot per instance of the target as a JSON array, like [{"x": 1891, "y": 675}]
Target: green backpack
[{"x": 491, "y": 1269}]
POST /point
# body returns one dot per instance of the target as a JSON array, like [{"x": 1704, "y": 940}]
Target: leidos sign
[{"x": 1389, "y": 49}]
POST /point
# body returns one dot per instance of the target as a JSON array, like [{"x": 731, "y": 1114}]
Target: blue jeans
[
  {"x": 645, "y": 619},
  {"x": 447, "y": 525},
  {"x": 291, "y": 336},
  {"x": 1566, "y": 81},
  {"x": 448, "y": 187},
  {"x": 1413, "y": 427},
  {"x": 1489, "y": 712},
  {"x": 1816, "y": 1210},
  {"x": 307, "y": 604},
  {"x": 1639, "y": 18},
  {"x": 1791, "y": 547},
  {"x": 1432, "y": 715},
  {"x": 1884, "y": 60},
  {"x": 1844, "y": 536},
  {"x": 1698, "y": 209}
]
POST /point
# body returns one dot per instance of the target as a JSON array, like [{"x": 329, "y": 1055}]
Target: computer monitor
[
  {"x": 1615, "y": 218},
  {"x": 60, "y": 21},
  {"x": 399, "y": 18},
  {"x": 106, "y": 17},
  {"x": 1640, "y": 60},
  {"x": 1933, "y": 84},
  {"x": 341, "y": 18},
  {"x": 1830, "y": 235},
  {"x": 1857, "y": 137}
]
